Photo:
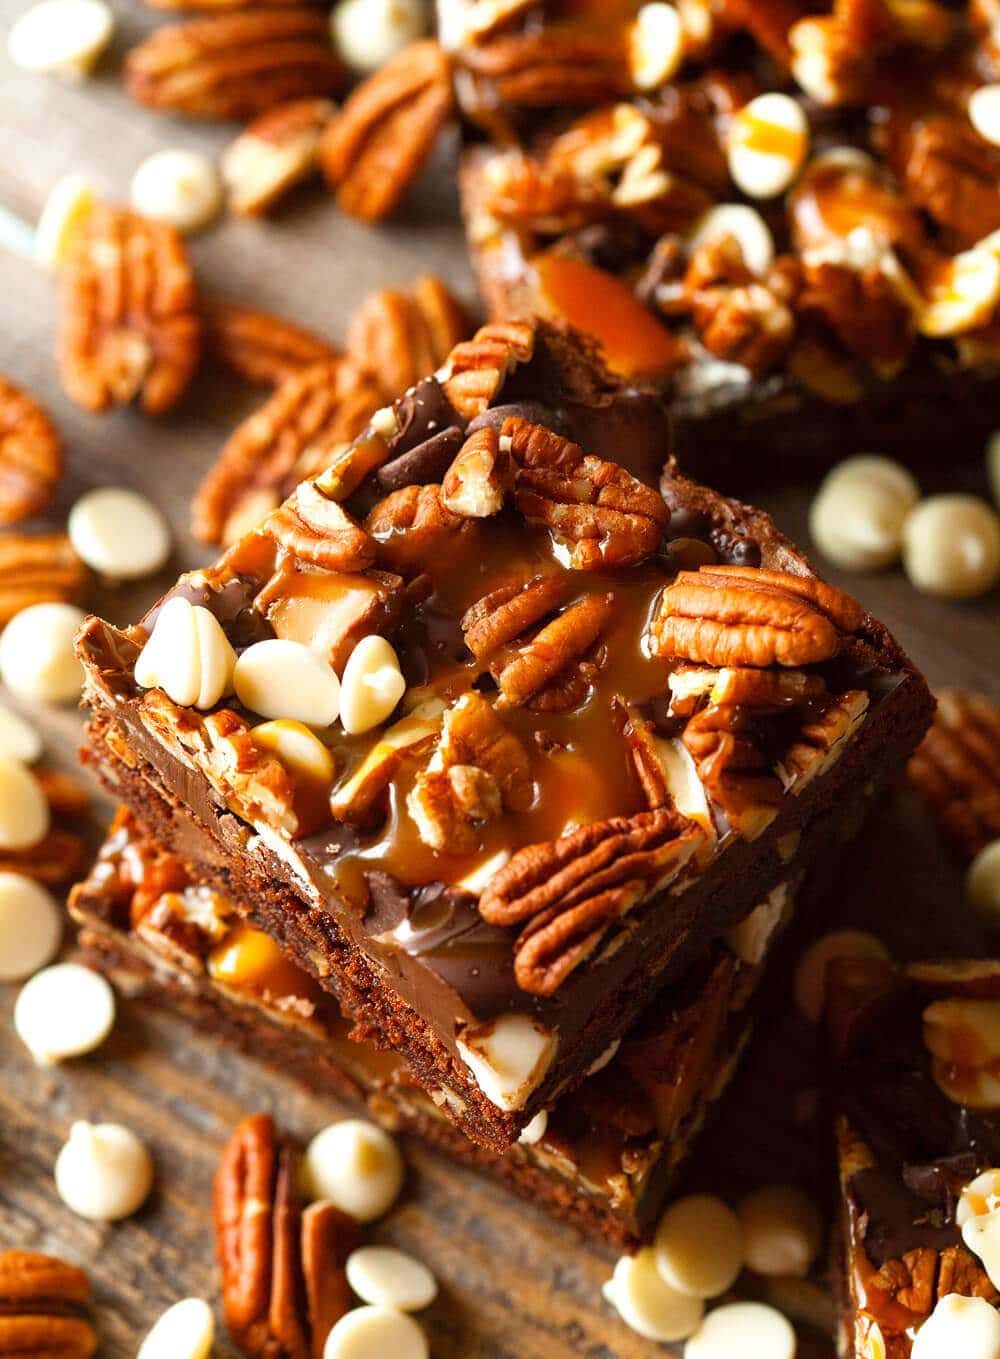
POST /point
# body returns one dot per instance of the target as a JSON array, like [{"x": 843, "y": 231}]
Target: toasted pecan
[
  {"x": 476, "y": 482},
  {"x": 35, "y": 568},
  {"x": 277, "y": 151},
  {"x": 401, "y": 336},
  {"x": 542, "y": 67},
  {"x": 318, "y": 530},
  {"x": 42, "y": 1307},
  {"x": 956, "y": 769},
  {"x": 550, "y": 652},
  {"x": 259, "y": 346},
  {"x": 412, "y": 526},
  {"x": 475, "y": 370},
  {"x": 504, "y": 614},
  {"x": 30, "y": 455}
]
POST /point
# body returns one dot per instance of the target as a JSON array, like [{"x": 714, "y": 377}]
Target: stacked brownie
[{"x": 590, "y": 738}]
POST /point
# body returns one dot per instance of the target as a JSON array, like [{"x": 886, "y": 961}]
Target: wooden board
[{"x": 513, "y": 1284}]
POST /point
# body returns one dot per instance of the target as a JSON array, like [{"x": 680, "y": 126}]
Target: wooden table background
[{"x": 513, "y": 1284}]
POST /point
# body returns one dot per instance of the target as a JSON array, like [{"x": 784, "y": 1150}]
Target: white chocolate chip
[
  {"x": 188, "y": 656},
  {"x": 61, "y": 37},
  {"x": 981, "y": 1234},
  {"x": 184, "y": 1331},
  {"x": 299, "y": 749},
  {"x": 368, "y": 33},
  {"x": 745, "y": 225},
  {"x": 30, "y": 927},
  {"x": 179, "y": 187},
  {"x": 655, "y": 45},
  {"x": 982, "y": 882},
  {"x": 750, "y": 1329},
  {"x": 104, "y": 1171},
  {"x": 963, "y": 1031},
  {"x": 19, "y": 740},
  {"x": 951, "y": 546},
  {"x": 993, "y": 466},
  {"x": 24, "y": 808},
  {"x": 981, "y": 1195},
  {"x": 856, "y": 519},
  {"x": 782, "y": 1231},
  {"x": 984, "y": 112},
  {"x": 962, "y": 295},
  {"x": 70, "y": 202},
  {"x": 64, "y": 1011},
  {"x": 371, "y": 686},
  {"x": 357, "y": 1166},
  {"x": 959, "y": 1326},
  {"x": 119, "y": 533},
  {"x": 751, "y": 938},
  {"x": 767, "y": 145},
  {"x": 387, "y": 1277},
  {"x": 651, "y": 1307},
  {"x": 535, "y": 1130},
  {"x": 810, "y": 974},
  {"x": 600, "y": 1062},
  {"x": 280, "y": 678},
  {"x": 699, "y": 1246},
  {"x": 37, "y": 659},
  {"x": 509, "y": 1057},
  {"x": 376, "y": 1333}
]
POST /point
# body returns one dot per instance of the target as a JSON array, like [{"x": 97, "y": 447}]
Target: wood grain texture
[{"x": 514, "y": 1286}]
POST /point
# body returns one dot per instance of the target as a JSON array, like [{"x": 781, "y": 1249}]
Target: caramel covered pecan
[
  {"x": 128, "y": 325},
  {"x": 956, "y": 769},
  {"x": 475, "y": 484},
  {"x": 863, "y": 310},
  {"x": 412, "y": 526},
  {"x": 475, "y": 370},
  {"x": 30, "y": 455},
  {"x": 35, "y": 568},
  {"x": 554, "y": 666},
  {"x": 504, "y": 614},
  {"x": 235, "y": 65},
  {"x": 259, "y": 346},
  {"x": 316, "y": 529},
  {"x": 748, "y": 324},
  {"x": 401, "y": 336},
  {"x": 543, "y": 67},
  {"x": 277, "y": 151},
  {"x": 43, "y": 1307},
  {"x": 58, "y": 857},
  {"x": 949, "y": 171},
  {"x": 378, "y": 143}
]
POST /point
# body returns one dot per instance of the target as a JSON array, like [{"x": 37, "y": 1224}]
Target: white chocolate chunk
[
  {"x": 857, "y": 517},
  {"x": 30, "y": 927},
  {"x": 64, "y": 1011},
  {"x": 24, "y": 808},
  {"x": 509, "y": 1057},
  {"x": 61, "y": 37},
  {"x": 70, "y": 202},
  {"x": 751, "y": 1330},
  {"x": 981, "y": 1234},
  {"x": 745, "y": 225},
  {"x": 951, "y": 546},
  {"x": 962, "y": 295},
  {"x": 535, "y": 1130},
  {"x": 188, "y": 656},
  {"x": 993, "y": 466},
  {"x": 767, "y": 145},
  {"x": 649, "y": 1306},
  {"x": 357, "y": 1166},
  {"x": 279, "y": 678},
  {"x": 751, "y": 938},
  {"x": 810, "y": 974},
  {"x": 958, "y": 1326},
  {"x": 371, "y": 686},
  {"x": 37, "y": 659},
  {"x": 299, "y": 749},
  {"x": 184, "y": 1331},
  {"x": 19, "y": 740},
  {"x": 699, "y": 1246},
  {"x": 963, "y": 1030},
  {"x": 984, "y": 112},
  {"x": 119, "y": 533},
  {"x": 655, "y": 45},
  {"x": 982, "y": 882},
  {"x": 981, "y": 1195},
  {"x": 376, "y": 1333},
  {"x": 782, "y": 1231},
  {"x": 103, "y": 1171},
  {"x": 368, "y": 33},
  {"x": 179, "y": 187},
  {"x": 387, "y": 1277}
]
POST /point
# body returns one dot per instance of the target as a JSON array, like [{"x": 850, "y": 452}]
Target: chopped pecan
[
  {"x": 318, "y": 530},
  {"x": 401, "y": 336},
  {"x": 277, "y": 151},
  {"x": 357, "y": 800},
  {"x": 907, "y": 1283},
  {"x": 956, "y": 769},
  {"x": 949, "y": 171},
  {"x": 960, "y": 1272},
  {"x": 378, "y": 143},
  {"x": 534, "y": 195},
  {"x": 534, "y": 445},
  {"x": 411, "y": 527},
  {"x": 552, "y": 654},
  {"x": 235, "y": 65},
  {"x": 43, "y": 1307},
  {"x": 839, "y": 193},
  {"x": 749, "y": 325},
  {"x": 542, "y": 67},
  {"x": 822, "y": 739},
  {"x": 35, "y": 568},
  {"x": 833, "y": 57},
  {"x": 259, "y": 346},
  {"x": 475, "y": 483},
  {"x": 128, "y": 325},
  {"x": 863, "y": 310},
  {"x": 58, "y": 857},
  {"x": 506, "y": 613},
  {"x": 475, "y": 370},
  {"x": 30, "y": 455}
]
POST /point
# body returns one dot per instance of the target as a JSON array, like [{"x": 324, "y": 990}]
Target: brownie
[
  {"x": 601, "y": 1159},
  {"x": 914, "y": 1060},
  {"x": 627, "y": 718}
]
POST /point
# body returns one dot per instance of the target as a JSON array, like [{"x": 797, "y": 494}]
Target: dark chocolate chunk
[{"x": 426, "y": 462}]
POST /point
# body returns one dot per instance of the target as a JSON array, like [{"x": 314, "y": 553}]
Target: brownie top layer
[{"x": 593, "y": 693}]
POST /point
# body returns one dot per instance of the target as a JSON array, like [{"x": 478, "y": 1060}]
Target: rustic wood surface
[{"x": 513, "y": 1284}]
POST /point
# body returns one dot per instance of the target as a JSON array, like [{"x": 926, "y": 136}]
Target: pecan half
[
  {"x": 476, "y": 369},
  {"x": 411, "y": 528},
  {"x": 504, "y": 614},
  {"x": 58, "y": 857},
  {"x": 378, "y": 143},
  {"x": 259, "y": 346},
  {"x": 402, "y": 335},
  {"x": 30, "y": 455},
  {"x": 956, "y": 770},
  {"x": 822, "y": 739},
  {"x": 277, "y": 151},
  {"x": 543, "y": 67},
  {"x": 35, "y": 568},
  {"x": 235, "y": 65},
  {"x": 128, "y": 325},
  {"x": 317, "y": 530},
  {"x": 476, "y": 482},
  {"x": 548, "y": 658},
  {"x": 42, "y": 1307}
]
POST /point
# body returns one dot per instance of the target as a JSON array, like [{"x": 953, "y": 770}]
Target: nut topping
[
  {"x": 318, "y": 530},
  {"x": 553, "y": 650},
  {"x": 411, "y": 527},
  {"x": 36, "y": 568},
  {"x": 261, "y": 347},
  {"x": 401, "y": 336},
  {"x": 476, "y": 369},
  {"x": 42, "y": 1302},
  {"x": 30, "y": 455},
  {"x": 956, "y": 770},
  {"x": 475, "y": 483},
  {"x": 503, "y": 615},
  {"x": 277, "y": 151}
]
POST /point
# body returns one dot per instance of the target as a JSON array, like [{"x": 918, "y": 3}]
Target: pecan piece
[
  {"x": 733, "y": 768},
  {"x": 949, "y": 171},
  {"x": 956, "y": 770},
  {"x": 749, "y": 325},
  {"x": 401, "y": 336},
  {"x": 534, "y": 445},
  {"x": 504, "y": 614},
  {"x": 42, "y": 1307},
  {"x": 235, "y": 65},
  {"x": 544, "y": 67},
  {"x": 864, "y": 311},
  {"x": 318, "y": 530},
  {"x": 412, "y": 526},
  {"x": 58, "y": 857},
  {"x": 128, "y": 325},
  {"x": 35, "y": 568},
  {"x": 822, "y": 739},
  {"x": 277, "y": 151},
  {"x": 475, "y": 483},
  {"x": 378, "y": 143},
  {"x": 552, "y": 651},
  {"x": 30, "y": 455},
  {"x": 476, "y": 369},
  {"x": 260, "y": 347}
]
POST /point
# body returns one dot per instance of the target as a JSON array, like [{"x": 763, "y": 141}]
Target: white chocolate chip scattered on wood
[
  {"x": 752, "y": 1330},
  {"x": 856, "y": 519},
  {"x": 368, "y": 33},
  {"x": 279, "y": 678},
  {"x": 179, "y": 187},
  {"x": 647, "y": 1304},
  {"x": 70, "y": 202},
  {"x": 982, "y": 883},
  {"x": 188, "y": 656},
  {"x": 61, "y": 37},
  {"x": 981, "y": 1234},
  {"x": 959, "y": 1326},
  {"x": 24, "y": 808},
  {"x": 64, "y": 1011},
  {"x": 984, "y": 112},
  {"x": 37, "y": 659},
  {"x": 699, "y": 1246},
  {"x": 782, "y": 1231},
  {"x": 376, "y": 1333},
  {"x": 810, "y": 974},
  {"x": 30, "y": 927},
  {"x": 19, "y": 740},
  {"x": 767, "y": 145},
  {"x": 951, "y": 546},
  {"x": 655, "y": 45},
  {"x": 119, "y": 533},
  {"x": 386, "y": 1277},
  {"x": 356, "y": 1165},
  {"x": 103, "y": 1172},
  {"x": 371, "y": 685},
  {"x": 747, "y": 228},
  {"x": 184, "y": 1331}
]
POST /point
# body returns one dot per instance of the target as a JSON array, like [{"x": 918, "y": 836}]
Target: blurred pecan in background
[{"x": 30, "y": 455}]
